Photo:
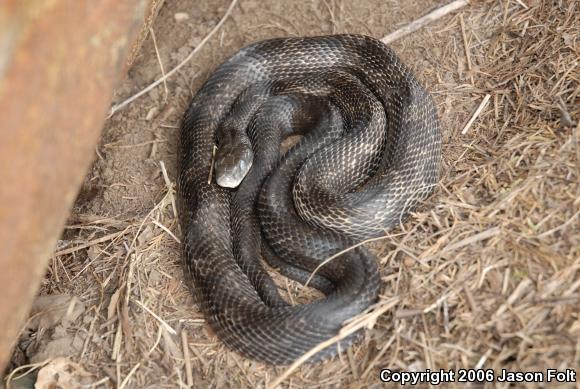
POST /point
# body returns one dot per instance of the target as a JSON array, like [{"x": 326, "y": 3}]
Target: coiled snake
[{"x": 370, "y": 152}]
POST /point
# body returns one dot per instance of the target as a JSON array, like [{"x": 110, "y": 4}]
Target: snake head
[{"x": 232, "y": 162}]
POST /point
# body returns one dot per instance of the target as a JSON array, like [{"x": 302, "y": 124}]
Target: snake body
[{"x": 370, "y": 152}]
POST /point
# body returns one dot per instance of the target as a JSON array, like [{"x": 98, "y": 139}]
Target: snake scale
[{"x": 369, "y": 153}]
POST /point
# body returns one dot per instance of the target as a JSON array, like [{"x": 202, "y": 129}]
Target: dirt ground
[{"x": 487, "y": 275}]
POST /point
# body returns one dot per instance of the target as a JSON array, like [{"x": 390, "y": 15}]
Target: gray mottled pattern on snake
[{"x": 370, "y": 152}]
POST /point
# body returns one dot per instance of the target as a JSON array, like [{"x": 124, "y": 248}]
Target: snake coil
[{"x": 370, "y": 152}]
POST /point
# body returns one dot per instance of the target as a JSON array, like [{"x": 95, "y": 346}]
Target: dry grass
[{"x": 487, "y": 275}]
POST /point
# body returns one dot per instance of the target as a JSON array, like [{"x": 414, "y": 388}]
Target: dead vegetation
[{"x": 485, "y": 276}]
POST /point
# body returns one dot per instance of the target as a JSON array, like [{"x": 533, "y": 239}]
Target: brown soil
[{"x": 487, "y": 275}]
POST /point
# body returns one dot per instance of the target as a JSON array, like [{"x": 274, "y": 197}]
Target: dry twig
[
  {"x": 425, "y": 20},
  {"x": 115, "y": 108}
]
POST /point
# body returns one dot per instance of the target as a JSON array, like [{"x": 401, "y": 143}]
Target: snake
[{"x": 368, "y": 153}]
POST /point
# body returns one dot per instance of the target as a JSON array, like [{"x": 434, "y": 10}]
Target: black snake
[{"x": 370, "y": 152}]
